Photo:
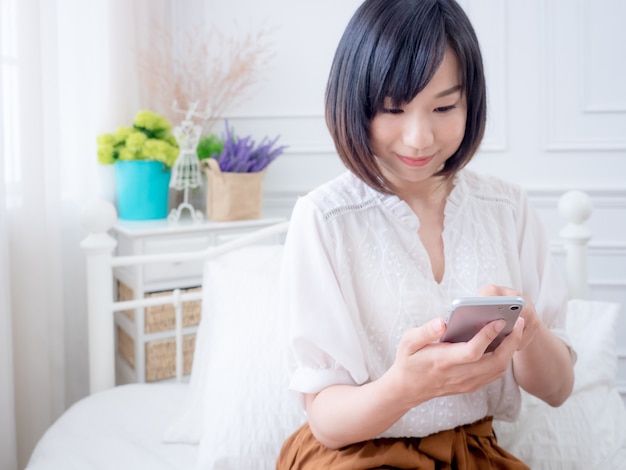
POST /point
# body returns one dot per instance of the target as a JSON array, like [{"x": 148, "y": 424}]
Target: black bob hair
[{"x": 392, "y": 49}]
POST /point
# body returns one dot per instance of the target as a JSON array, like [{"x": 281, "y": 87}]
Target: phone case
[{"x": 468, "y": 315}]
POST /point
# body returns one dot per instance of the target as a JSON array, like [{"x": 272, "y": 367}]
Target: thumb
[{"x": 416, "y": 338}]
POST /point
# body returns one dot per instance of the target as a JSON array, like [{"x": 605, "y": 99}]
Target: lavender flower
[{"x": 243, "y": 155}]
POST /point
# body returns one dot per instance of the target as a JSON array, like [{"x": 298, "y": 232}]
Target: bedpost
[
  {"x": 98, "y": 217},
  {"x": 575, "y": 207}
]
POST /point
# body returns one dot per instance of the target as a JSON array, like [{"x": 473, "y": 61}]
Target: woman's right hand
[{"x": 425, "y": 369}]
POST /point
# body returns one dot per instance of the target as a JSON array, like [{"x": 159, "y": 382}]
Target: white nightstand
[{"x": 145, "y": 347}]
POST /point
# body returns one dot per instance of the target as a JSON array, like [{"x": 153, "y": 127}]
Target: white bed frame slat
[
  {"x": 99, "y": 216},
  {"x": 575, "y": 207}
]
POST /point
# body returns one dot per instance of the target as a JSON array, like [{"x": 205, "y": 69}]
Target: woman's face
[{"x": 413, "y": 141}]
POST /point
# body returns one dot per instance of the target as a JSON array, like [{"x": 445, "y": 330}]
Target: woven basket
[
  {"x": 162, "y": 317},
  {"x": 160, "y": 355}
]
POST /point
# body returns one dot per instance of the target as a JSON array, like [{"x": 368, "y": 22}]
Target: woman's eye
[
  {"x": 444, "y": 109},
  {"x": 392, "y": 110}
]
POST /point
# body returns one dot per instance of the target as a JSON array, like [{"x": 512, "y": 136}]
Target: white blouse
[{"x": 356, "y": 276}]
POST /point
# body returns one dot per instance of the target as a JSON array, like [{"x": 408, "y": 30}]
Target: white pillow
[
  {"x": 240, "y": 373},
  {"x": 589, "y": 430}
]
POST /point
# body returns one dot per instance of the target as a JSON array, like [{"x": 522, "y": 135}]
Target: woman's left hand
[{"x": 531, "y": 320}]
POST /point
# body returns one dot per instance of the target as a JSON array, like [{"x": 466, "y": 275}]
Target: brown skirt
[{"x": 470, "y": 447}]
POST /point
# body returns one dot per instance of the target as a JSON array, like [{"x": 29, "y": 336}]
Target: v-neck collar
[{"x": 403, "y": 212}]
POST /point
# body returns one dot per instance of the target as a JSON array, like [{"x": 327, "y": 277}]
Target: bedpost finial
[
  {"x": 575, "y": 206},
  {"x": 98, "y": 216}
]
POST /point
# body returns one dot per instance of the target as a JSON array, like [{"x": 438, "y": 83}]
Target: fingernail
[
  {"x": 438, "y": 325},
  {"x": 499, "y": 326}
]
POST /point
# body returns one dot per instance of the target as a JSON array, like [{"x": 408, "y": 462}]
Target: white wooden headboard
[{"x": 99, "y": 216}]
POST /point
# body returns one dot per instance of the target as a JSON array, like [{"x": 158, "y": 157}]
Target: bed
[{"x": 235, "y": 410}]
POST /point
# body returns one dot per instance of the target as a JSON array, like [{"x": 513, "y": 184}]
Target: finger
[
  {"x": 416, "y": 338},
  {"x": 488, "y": 290},
  {"x": 486, "y": 335},
  {"x": 493, "y": 290},
  {"x": 512, "y": 341}
]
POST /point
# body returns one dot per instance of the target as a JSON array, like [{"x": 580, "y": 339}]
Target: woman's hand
[
  {"x": 543, "y": 364},
  {"x": 425, "y": 368},
  {"x": 531, "y": 320}
]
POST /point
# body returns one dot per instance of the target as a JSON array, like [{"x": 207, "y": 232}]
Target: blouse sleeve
[{"x": 322, "y": 334}]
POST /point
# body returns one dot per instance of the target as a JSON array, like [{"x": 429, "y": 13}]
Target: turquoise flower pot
[{"x": 142, "y": 189}]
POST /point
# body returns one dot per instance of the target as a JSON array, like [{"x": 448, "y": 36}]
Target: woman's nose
[{"x": 418, "y": 132}]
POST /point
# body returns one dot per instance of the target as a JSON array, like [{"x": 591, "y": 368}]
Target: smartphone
[{"x": 468, "y": 315}]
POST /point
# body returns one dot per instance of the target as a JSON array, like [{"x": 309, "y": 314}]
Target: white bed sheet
[{"x": 95, "y": 433}]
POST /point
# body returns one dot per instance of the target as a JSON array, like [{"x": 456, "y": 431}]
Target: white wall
[{"x": 557, "y": 117}]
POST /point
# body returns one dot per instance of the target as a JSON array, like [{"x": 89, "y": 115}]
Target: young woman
[{"x": 374, "y": 258}]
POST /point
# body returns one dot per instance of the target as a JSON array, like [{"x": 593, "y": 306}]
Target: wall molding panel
[
  {"x": 599, "y": 21},
  {"x": 579, "y": 118}
]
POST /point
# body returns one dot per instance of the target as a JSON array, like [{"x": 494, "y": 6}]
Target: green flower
[
  {"x": 106, "y": 149},
  {"x": 149, "y": 138},
  {"x": 122, "y": 134},
  {"x": 162, "y": 127},
  {"x": 159, "y": 150},
  {"x": 170, "y": 139},
  {"x": 153, "y": 125},
  {"x": 106, "y": 139},
  {"x": 128, "y": 154},
  {"x": 135, "y": 140},
  {"x": 171, "y": 154},
  {"x": 145, "y": 119}
]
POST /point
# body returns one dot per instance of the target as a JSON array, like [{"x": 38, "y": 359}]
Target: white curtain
[
  {"x": 68, "y": 78},
  {"x": 8, "y": 439},
  {"x": 68, "y": 74}
]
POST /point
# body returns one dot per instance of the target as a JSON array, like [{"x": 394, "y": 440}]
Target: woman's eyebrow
[{"x": 449, "y": 91}]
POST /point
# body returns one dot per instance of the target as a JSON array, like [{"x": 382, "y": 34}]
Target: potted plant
[
  {"x": 235, "y": 176},
  {"x": 143, "y": 155},
  {"x": 209, "y": 146}
]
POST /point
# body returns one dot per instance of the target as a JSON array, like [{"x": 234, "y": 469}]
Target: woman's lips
[{"x": 416, "y": 161}]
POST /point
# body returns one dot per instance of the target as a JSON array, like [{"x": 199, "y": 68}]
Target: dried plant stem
[{"x": 207, "y": 67}]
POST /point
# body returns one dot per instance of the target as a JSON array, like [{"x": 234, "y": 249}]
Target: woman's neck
[{"x": 428, "y": 195}]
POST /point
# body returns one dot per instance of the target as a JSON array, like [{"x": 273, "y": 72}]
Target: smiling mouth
[{"x": 416, "y": 162}]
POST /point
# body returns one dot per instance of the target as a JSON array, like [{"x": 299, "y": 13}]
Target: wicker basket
[
  {"x": 160, "y": 355},
  {"x": 162, "y": 317}
]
